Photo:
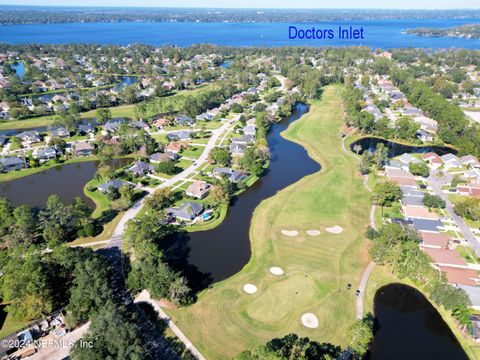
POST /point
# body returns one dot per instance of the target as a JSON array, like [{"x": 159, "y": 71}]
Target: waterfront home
[
  {"x": 60, "y": 132},
  {"x": 398, "y": 173},
  {"x": 232, "y": 175},
  {"x": 45, "y": 154},
  {"x": 451, "y": 161},
  {"x": 83, "y": 149},
  {"x": 112, "y": 185},
  {"x": 198, "y": 189},
  {"x": 424, "y": 135},
  {"x": 434, "y": 240},
  {"x": 29, "y": 137},
  {"x": 175, "y": 146},
  {"x": 11, "y": 163},
  {"x": 141, "y": 168},
  {"x": 161, "y": 157},
  {"x": 188, "y": 211},
  {"x": 184, "y": 120},
  {"x": 433, "y": 160},
  {"x": 86, "y": 128},
  {"x": 237, "y": 149},
  {"x": 407, "y": 159},
  {"x": 179, "y": 135}
]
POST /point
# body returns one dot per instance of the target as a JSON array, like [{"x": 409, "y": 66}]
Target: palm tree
[{"x": 463, "y": 314}]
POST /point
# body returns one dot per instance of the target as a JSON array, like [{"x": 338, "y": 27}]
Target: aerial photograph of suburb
[{"x": 239, "y": 180}]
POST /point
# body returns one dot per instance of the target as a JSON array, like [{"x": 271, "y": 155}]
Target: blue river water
[{"x": 378, "y": 33}]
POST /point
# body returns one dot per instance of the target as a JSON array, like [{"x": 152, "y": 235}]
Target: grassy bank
[{"x": 225, "y": 320}]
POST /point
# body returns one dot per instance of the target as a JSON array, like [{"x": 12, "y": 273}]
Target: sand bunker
[
  {"x": 335, "y": 229},
  {"x": 275, "y": 270},
  {"x": 250, "y": 288},
  {"x": 309, "y": 320},
  {"x": 290, "y": 233},
  {"x": 313, "y": 232}
]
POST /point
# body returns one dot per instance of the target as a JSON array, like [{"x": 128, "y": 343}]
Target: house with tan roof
[
  {"x": 446, "y": 257},
  {"x": 460, "y": 276},
  {"x": 434, "y": 240},
  {"x": 433, "y": 160},
  {"x": 198, "y": 189},
  {"x": 417, "y": 212},
  {"x": 176, "y": 146}
]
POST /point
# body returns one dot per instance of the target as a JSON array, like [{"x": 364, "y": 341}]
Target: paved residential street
[{"x": 436, "y": 184}]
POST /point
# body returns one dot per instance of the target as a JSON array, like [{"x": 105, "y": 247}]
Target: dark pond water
[
  {"x": 409, "y": 327},
  {"x": 217, "y": 254},
  {"x": 396, "y": 149},
  {"x": 67, "y": 181}
]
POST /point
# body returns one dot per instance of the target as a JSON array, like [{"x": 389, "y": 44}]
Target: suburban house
[
  {"x": 188, "y": 211},
  {"x": 446, "y": 257},
  {"x": 250, "y": 130},
  {"x": 60, "y": 132},
  {"x": 175, "y": 146},
  {"x": 29, "y": 137},
  {"x": 245, "y": 140},
  {"x": 179, "y": 135},
  {"x": 460, "y": 276},
  {"x": 114, "y": 124},
  {"x": 232, "y": 175},
  {"x": 434, "y": 240},
  {"x": 198, "y": 189},
  {"x": 141, "y": 168},
  {"x": 433, "y": 160},
  {"x": 184, "y": 120},
  {"x": 112, "y": 184},
  {"x": 46, "y": 153},
  {"x": 427, "y": 225},
  {"x": 470, "y": 160},
  {"x": 161, "y": 157},
  {"x": 11, "y": 163},
  {"x": 141, "y": 125},
  {"x": 407, "y": 159},
  {"x": 237, "y": 149},
  {"x": 419, "y": 212},
  {"x": 84, "y": 149},
  {"x": 160, "y": 123},
  {"x": 412, "y": 201},
  {"x": 86, "y": 128},
  {"x": 451, "y": 161}
]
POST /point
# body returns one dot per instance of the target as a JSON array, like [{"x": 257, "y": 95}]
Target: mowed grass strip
[{"x": 225, "y": 320}]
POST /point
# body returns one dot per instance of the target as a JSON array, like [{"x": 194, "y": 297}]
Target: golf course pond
[
  {"x": 409, "y": 327},
  {"x": 66, "y": 180},
  {"x": 214, "y": 255},
  {"x": 395, "y": 149}
]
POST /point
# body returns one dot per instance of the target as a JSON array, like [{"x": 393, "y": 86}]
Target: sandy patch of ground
[
  {"x": 335, "y": 229},
  {"x": 289, "y": 233},
  {"x": 309, "y": 320},
  {"x": 275, "y": 270},
  {"x": 313, "y": 232},
  {"x": 250, "y": 288}
]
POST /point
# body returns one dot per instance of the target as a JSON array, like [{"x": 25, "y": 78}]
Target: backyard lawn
[{"x": 225, "y": 320}]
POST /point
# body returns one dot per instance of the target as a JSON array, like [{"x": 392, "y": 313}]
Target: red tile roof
[
  {"x": 445, "y": 257},
  {"x": 434, "y": 239},
  {"x": 460, "y": 276}
]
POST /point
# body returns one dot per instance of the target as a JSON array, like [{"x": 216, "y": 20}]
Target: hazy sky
[{"x": 396, "y": 4}]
